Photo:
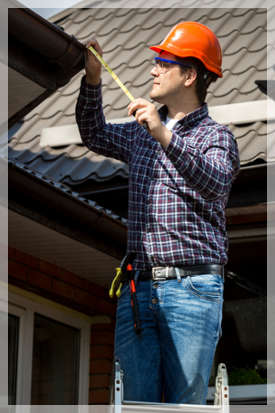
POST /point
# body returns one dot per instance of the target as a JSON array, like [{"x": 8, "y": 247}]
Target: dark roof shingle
[{"x": 125, "y": 35}]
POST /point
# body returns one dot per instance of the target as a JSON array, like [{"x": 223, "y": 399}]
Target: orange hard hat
[{"x": 193, "y": 39}]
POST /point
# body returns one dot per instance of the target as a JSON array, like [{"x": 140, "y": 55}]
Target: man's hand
[
  {"x": 92, "y": 65},
  {"x": 146, "y": 112}
]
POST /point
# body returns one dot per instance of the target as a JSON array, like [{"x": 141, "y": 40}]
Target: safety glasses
[{"x": 163, "y": 65}]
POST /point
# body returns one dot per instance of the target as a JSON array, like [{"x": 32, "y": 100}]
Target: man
[{"x": 181, "y": 168}]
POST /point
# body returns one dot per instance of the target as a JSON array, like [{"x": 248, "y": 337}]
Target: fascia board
[{"x": 234, "y": 113}]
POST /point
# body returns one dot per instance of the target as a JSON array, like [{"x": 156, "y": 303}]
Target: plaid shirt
[{"x": 177, "y": 195}]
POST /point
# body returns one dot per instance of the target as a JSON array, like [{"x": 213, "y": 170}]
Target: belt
[{"x": 166, "y": 273}]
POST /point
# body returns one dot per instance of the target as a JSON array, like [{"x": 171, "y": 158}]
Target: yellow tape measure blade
[{"x": 112, "y": 73}]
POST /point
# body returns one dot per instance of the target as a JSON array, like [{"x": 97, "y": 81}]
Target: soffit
[{"x": 42, "y": 242}]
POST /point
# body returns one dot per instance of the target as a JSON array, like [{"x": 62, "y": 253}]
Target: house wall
[{"x": 50, "y": 281}]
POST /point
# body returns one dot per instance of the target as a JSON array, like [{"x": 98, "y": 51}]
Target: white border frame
[{"x": 25, "y": 308}]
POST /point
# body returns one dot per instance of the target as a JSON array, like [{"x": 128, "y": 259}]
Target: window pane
[
  {"x": 55, "y": 368},
  {"x": 13, "y": 356}
]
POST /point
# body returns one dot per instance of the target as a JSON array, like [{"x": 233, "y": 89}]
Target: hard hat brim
[{"x": 187, "y": 53}]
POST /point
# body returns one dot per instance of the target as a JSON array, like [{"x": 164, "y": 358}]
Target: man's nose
[{"x": 154, "y": 71}]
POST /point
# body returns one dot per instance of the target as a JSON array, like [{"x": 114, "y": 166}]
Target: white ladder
[{"x": 221, "y": 400}]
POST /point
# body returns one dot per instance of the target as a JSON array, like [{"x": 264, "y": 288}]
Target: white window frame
[{"x": 25, "y": 308}]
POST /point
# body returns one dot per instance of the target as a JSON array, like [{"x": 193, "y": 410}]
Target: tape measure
[
  {"x": 117, "y": 80},
  {"x": 114, "y": 76}
]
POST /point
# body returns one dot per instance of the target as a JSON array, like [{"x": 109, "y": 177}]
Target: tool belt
[
  {"x": 125, "y": 273},
  {"x": 162, "y": 274},
  {"x": 166, "y": 273}
]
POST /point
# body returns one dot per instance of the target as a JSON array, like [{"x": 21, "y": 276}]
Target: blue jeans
[{"x": 171, "y": 359}]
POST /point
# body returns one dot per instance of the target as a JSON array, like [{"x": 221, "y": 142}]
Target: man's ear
[{"x": 190, "y": 77}]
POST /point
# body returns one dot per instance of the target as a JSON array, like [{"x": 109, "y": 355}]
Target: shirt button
[
  {"x": 155, "y": 285},
  {"x": 154, "y": 300}
]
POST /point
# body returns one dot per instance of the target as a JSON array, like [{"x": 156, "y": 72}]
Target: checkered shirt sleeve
[{"x": 177, "y": 195}]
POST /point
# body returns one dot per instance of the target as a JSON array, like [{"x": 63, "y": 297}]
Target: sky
[{"x": 39, "y": 6}]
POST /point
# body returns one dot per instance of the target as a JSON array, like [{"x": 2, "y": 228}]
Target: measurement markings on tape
[{"x": 112, "y": 73}]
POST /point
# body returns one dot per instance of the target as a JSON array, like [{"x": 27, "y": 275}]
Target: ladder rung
[{"x": 138, "y": 407}]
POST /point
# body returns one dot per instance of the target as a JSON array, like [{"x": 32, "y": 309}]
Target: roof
[{"x": 125, "y": 35}]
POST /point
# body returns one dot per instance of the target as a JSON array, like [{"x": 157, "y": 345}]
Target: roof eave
[{"x": 66, "y": 211}]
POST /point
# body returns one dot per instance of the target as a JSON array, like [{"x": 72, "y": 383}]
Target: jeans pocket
[{"x": 207, "y": 286}]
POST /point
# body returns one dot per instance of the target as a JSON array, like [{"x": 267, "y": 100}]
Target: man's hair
[{"x": 204, "y": 76}]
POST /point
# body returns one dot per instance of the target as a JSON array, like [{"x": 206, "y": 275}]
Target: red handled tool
[{"x": 134, "y": 303}]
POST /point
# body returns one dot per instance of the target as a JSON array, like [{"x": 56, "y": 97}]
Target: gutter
[
  {"x": 57, "y": 207},
  {"x": 46, "y": 44},
  {"x": 42, "y": 52}
]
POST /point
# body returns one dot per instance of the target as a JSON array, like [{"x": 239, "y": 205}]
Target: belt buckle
[{"x": 158, "y": 273}]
